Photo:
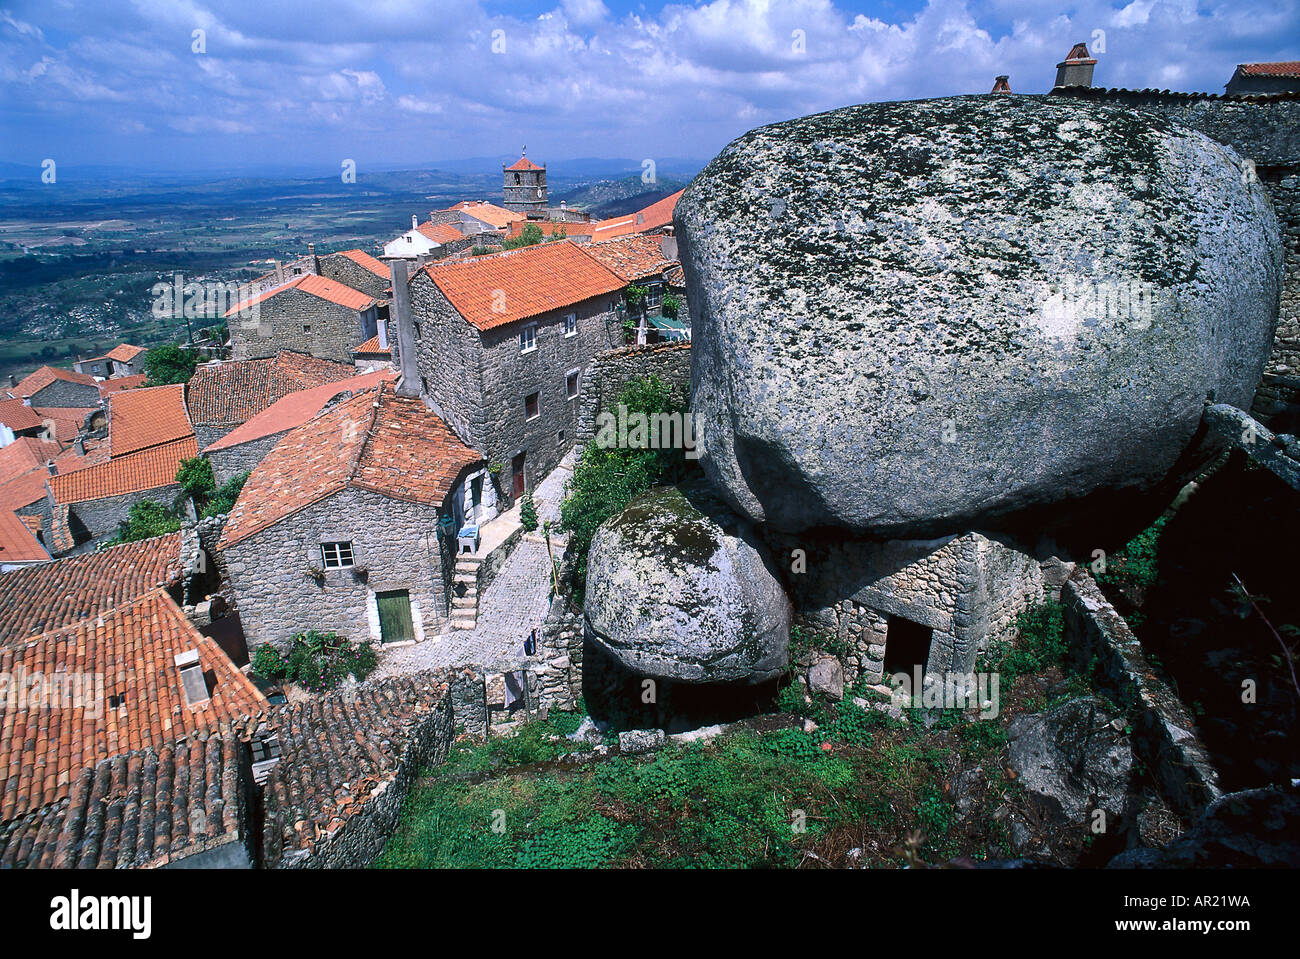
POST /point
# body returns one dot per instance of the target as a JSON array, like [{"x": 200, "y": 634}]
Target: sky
[{"x": 402, "y": 82}]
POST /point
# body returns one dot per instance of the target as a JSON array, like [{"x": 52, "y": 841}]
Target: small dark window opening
[
  {"x": 532, "y": 405},
  {"x": 907, "y": 645},
  {"x": 306, "y": 327},
  {"x": 114, "y": 701}
]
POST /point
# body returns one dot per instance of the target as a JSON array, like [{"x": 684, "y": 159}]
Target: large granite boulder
[
  {"x": 679, "y": 587},
  {"x": 919, "y": 318}
]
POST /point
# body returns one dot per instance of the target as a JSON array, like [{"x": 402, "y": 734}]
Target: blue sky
[{"x": 396, "y": 82}]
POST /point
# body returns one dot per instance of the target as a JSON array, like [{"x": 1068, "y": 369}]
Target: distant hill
[{"x": 607, "y": 198}]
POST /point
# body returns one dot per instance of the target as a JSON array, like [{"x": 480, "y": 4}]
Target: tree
[
  {"x": 165, "y": 365},
  {"x": 530, "y": 235},
  {"x": 146, "y": 520},
  {"x": 196, "y": 479},
  {"x": 223, "y": 501}
]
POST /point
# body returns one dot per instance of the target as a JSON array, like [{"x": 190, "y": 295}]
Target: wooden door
[
  {"x": 395, "y": 623},
  {"x": 517, "y": 474}
]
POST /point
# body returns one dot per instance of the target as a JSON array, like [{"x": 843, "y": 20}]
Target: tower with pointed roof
[{"x": 525, "y": 187}]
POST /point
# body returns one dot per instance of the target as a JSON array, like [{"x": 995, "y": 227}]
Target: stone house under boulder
[
  {"x": 498, "y": 346},
  {"x": 337, "y": 529},
  {"x": 309, "y": 314}
]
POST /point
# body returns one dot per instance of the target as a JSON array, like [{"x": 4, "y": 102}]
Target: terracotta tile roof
[
  {"x": 64, "y": 422},
  {"x": 17, "y": 543},
  {"x": 23, "y": 490},
  {"x": 363, "y": 259},
  {"x": 226, "y": 394},
  {"x": 1284, "y": 68},
  {"x": 318, "y": 286},
  {"x": 675, "y": 276},
  {"x": 490, "y": 213},
  {"x": 58, "y": 594},
  {"x": 393, "y": 445},
  {"x": 337, "y": 750},
  {"x": 133, "y": 647},
  {"x": 37, "y": 380},
  {"x": 97, "y": 451},
  {"x": 136, "y": 472},
  {"x": 138, "y": 419},
  {"x": 653, "y": 217},
  {"x": 440, "y": 232},
  {"x": 17, "y": 415},
  {"x": 297, "y": 408},
  {"x": 371, "y": 347},
  {"x": 125, "y": 352},
  {"x": 549, "y": 227},
  {"x": 534, "y": 280},
  {"x": 26, "y": 454},
  {"x": 144, "y": 808},
  {"x": 119, "y": 383},
  {"x": 523, "y": 163},
  {"x": 632, "y": 257}
]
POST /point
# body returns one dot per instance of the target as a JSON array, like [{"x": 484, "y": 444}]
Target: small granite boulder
[
  {"x": 634, "y": 741},
  {"x": 679, "y": 587},
  {"x": 916, "y": 319},
  {"x": 826, "y": 677}
]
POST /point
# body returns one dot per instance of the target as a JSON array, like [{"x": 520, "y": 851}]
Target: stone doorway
[
  {"x": 517, "y": 475},
  {"x": 907, "y": 645}
]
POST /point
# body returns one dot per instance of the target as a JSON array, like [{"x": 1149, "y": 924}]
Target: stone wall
[
  {"x": 611, "y": 371},
  {"x": 393, "y": 540},
  {"x": 63, "y": 394},
  {"x": 234, "y": 460},
  {"x": 100, "y": 519},
  {"x": 347, "y": 271},
  {"x": 967, "y": 589},
  {"x": 1277, "y": 403},
  {"x": 1165, "y": 733},
  {"x": 478, "y": 380},
  {"x": 333, "y": 331}
]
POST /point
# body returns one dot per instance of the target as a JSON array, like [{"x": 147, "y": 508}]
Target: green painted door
[{"x": 395, "y": 625}]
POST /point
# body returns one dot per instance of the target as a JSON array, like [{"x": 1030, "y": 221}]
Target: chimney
[
  {"x": 279, "y": 272},
  {"x": 564, "y": 204},
  {"x": 383, "y": 332},
  {"x": 415, "y": 220},
  {"x": 193, "y": 684},
  {"x": 80, "y": 445},
  {"x": 1000, "y": 85},
  {"x": 1076, "y": 69},
  {"x": 52, "y": 467},
  {"x": 13, "y": 380},
  {"x": 400, "y": 312},
  {"x": 315, "y": 260}
]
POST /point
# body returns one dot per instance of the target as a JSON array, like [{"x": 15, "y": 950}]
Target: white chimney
[{"x": 415, "y": 221}]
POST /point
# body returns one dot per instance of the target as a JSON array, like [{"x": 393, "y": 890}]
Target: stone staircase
[{"x": 464, "y": 592}]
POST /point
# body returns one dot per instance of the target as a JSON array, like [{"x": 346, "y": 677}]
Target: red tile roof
[
  {"x": 440, "y": 232},
  {"x": 38, "y": 379},
  {"x": 226, "y": 394},
  {"x": 551, "y": 227},
  {"x": 133, "y": 647},
  {"x": 393, "y": 445},
  {"x": 297, "y": 408},
  {"x": 23, "y": 490},
  {"x": 632, "y": 257},
  {"x": 17, "y": 544},
  {"x": 136, "y": 472},
  {"x": 64, "y": 422},
  {"x": 653, "y": 217},
  {"x": 138, "y": 419},
  {"x": 371, "y": 347},
  {"x": 363, "y": 259},
  {"x": 121, "y": 813},
  {"x": 124, "y": 352},
  {"x": 17, "y": 415},
  {"x": 490, "y": 291},
  {"x": 523, "y": 163},
  {"x": 1283, "y": 68},
  {"x": 26, "y": 454},
  {"x": 318, "y": 286},
  {"x": 45, "y": 598},
  {"x": 497, "y": 216},
  {"x": 119, "y": 383}
]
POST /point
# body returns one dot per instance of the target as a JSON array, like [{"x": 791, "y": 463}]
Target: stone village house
[
  {"x": 309, "y": 314},
  {"x": 337, "y": 529},
  {"x": 497, "y": 346}
]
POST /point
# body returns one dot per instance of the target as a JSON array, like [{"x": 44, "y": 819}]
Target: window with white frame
[
  {"x": 528, "y": 338},
  {"x": 654, "y": 294},
  {"x": 571, "y": 384},
  {"x": 336, "y": 555},
  {"x": 570, "y": 324}
]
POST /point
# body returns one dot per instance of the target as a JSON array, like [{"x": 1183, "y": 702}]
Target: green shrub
[
  {"x": 320, "y": 661},
  {"x": 588, "y": 844},
  {"x": 528, "y": 512},
  {"x": 269, "y": 664},
  {"x": 147, "y": 519},
  {"x": 223, "y": 500},
  {"x": 1040, "y": 643},
  {"x": 670, "y": 305},
  {"x": 196, "y": 479},
  {"x": 165, "y": 365}
]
